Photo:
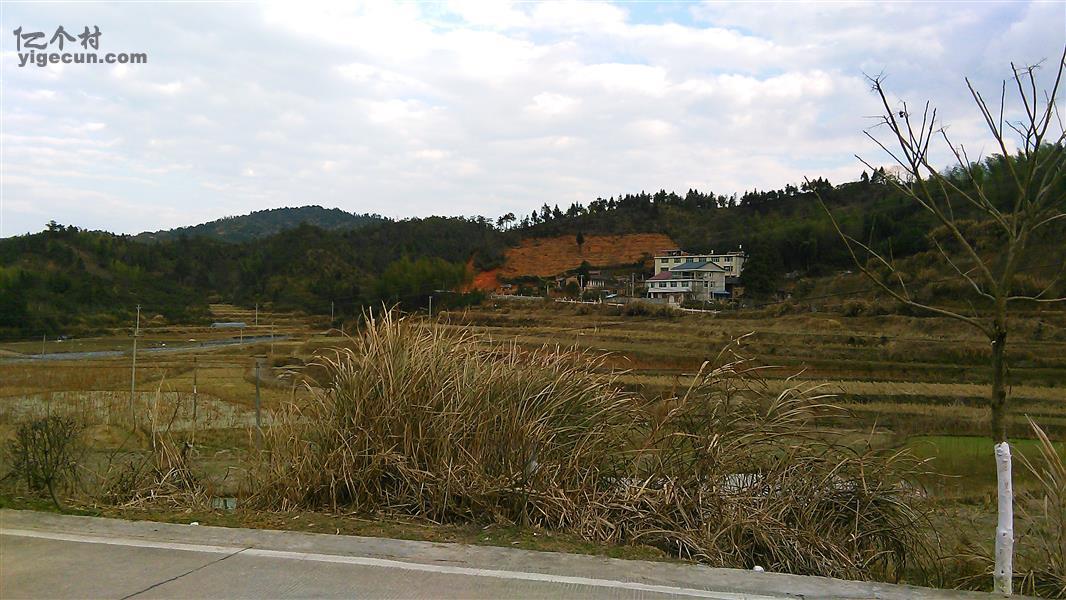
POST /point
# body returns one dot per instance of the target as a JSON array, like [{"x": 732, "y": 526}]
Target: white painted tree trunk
[{"x": 1004, "y": 569}]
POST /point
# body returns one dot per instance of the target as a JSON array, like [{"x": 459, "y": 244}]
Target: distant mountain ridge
[{"x": 265, "y": 223}]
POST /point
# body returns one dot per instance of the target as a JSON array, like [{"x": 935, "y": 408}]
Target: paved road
[
  {"x": 52, "y": 556},
  {"x": 178, "y": 347}
]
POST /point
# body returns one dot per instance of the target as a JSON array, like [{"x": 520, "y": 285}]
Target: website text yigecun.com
[
  {"x": 32, "y": 48},
  {"x": 42, "y": 59}
]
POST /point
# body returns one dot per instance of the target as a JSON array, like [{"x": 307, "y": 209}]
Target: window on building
[
  {"x": 677, "y": 260},
  {"x": 673, "y": 284}
]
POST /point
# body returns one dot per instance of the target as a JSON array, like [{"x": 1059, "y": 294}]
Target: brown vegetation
[
  {"x": 546, "y": 257},
  {"x": 419, "y": 420}
]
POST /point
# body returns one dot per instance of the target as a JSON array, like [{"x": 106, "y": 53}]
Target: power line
[{"x": 133, "y": 374}]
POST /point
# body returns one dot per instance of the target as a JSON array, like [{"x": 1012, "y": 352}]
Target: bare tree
[
  {"x": 1031, "y": 150},
  {"x": 46, "y": 453}
]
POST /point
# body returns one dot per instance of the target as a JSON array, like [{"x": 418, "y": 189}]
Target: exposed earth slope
[{"x": 545, "y": 257}]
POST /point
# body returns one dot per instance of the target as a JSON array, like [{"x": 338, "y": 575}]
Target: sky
[{"x": 472, "y": 108}]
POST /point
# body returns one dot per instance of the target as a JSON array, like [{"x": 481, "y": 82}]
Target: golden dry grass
[{"x": 421, "y": 420}]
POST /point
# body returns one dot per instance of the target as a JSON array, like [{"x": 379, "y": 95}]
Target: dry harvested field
[
  {"x": 905, "y": 381},
  {"x": 906, "y": 376},
  {"x": 195, "y": 381},
  {"x": 909, "y": 375}
]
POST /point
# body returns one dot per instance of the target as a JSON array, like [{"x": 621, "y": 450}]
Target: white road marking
[{"x": 388, "y": 564}]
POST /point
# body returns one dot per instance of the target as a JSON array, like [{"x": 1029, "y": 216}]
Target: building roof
[
  {"x": 661, "y": 276},
  {"x": 704, "y": 265}
]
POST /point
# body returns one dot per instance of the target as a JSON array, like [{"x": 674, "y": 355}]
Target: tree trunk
[
  {"x": 52, "y": 493},
  {"x": 999, "y": 387},
  {"x": 1004, "y": 569}
]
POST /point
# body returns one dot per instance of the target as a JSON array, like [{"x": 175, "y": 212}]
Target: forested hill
[
  {"x": 783, "y": 230},
  {"x": 263, "y": 223},
  {"x": 65, "y": 279}
]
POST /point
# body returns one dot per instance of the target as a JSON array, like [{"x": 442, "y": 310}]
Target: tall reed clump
[
  {"x": 734, "y": 475},
  {"x": 420, "y": 420},
  {"x": 414, "y": 419},
  {"x": 1042, "y": 545}
]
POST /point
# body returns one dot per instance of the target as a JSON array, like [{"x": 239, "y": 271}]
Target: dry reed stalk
[
  {"x": 418, "y": 419},
  {"x": 1043, "y": 515}
]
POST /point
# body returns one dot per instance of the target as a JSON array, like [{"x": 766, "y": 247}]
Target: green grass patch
[{"x": 967, "y": 466}]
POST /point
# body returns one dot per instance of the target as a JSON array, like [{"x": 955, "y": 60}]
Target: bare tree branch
[{"x": 902, "y": 297}]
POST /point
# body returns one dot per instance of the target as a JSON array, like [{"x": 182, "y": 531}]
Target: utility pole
[
  {"x": 431, "y": 306},
  {"x": 272, "y": 339},
  {"x": 258, "y": 422},
  {"x": 331, "y": 314},
  {"x": 133, "y": 374},
  {"x": 195, "y": 395},
  {"x": 257, "y": 314},
  {"x": 44, "y": 338}
]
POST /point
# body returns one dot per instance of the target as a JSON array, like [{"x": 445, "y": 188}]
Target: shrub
[
  {"x": 163, "y": 476},
  {"x": 855, "y": 307},
  {"x": 647, "y": 309},
  {"x": 420, "y": 420},
  {"x": 787, "y": 307},
  {"x": 46, "y": 452}
]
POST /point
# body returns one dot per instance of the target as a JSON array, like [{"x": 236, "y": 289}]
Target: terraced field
[
  {"x": 906, "y": 378},
  {"x": 902, "y": 379}
]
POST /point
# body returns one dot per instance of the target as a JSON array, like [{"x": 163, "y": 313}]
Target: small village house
[{"x": 680, "y": 276}]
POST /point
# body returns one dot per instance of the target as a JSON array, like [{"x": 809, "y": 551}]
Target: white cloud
[
  {"x": 39, "y": 95},
  {"x": 401, "y": 112},
  {"x": 172, "y": 87},
  {"x": 495, "y": 14},
  {"x": 622, "y": 77},
  {"x": 548, "y": 104},
  {"x": 652, "y": 128},
  {"x": 574, "y": 15},
  {"x": 431, "y": 154}
]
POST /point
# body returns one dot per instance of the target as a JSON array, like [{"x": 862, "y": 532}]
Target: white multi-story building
[
  {"x": 731, "y": 262},
  {"x": 680, "y": 276}
]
